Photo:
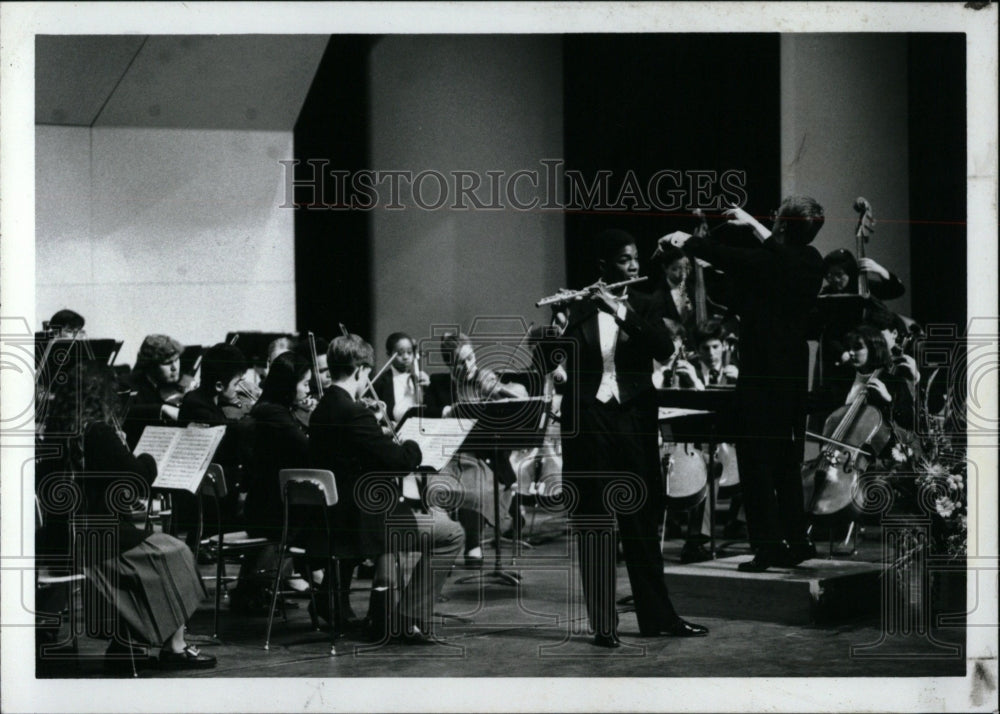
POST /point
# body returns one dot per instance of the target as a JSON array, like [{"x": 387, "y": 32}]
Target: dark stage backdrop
[
  {"x": 680, "y": 103},
  {"x": 937, "y": 143},
  {"x": 333, "y": 272}
]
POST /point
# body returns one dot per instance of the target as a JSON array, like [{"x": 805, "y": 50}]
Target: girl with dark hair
[
  {"x": 279, "y": 442},
  {"x": 888, "y": 390},
  {"x": 842, "y": 270},
  {"x": 150, "y": 579}
]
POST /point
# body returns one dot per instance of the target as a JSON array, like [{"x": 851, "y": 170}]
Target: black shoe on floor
[
  {"x": 608, "y": 641},
  {"x": 769, "y": 557},
  {"x": 188, "y": 658},
  {"x": 677, "y": 628},
  {"x": 683, "y": 628}
]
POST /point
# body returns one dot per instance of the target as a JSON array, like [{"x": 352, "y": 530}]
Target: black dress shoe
[
  {"x": 609, "y": 641},
  {"x": 188, "y": 658},
  {"x": 768, "y": 557},
  {"x": 683, "y": 628},
  {"x": 759, "y": 564}
]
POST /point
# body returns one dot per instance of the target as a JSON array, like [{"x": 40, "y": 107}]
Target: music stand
[
  {"x": 708, "y": 407},
  {"x": 501, "y": 425}
]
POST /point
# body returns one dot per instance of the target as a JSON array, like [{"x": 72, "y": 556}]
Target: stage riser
[{"x": 819, "y": 592}]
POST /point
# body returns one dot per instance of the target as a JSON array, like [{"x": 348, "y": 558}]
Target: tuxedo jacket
[
  {"x": 775, "y": 288},
  {"x": 642, "y": 337},
  {"x": 345, "y": 438}
]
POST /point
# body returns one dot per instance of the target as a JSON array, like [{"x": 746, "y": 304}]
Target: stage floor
[{"x": 538, "y": 630}]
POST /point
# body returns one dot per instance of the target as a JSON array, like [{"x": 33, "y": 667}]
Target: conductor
[{"x": 775, "y": 286}]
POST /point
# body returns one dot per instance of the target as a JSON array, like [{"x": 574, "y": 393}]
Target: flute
[{"x": 570, "y": 295}]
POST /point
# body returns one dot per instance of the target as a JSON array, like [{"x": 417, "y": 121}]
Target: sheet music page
[
  {"x": 157, "y": 442},
  {"x": 438, "y": 439},
  {"x": 189, "y": 458}
]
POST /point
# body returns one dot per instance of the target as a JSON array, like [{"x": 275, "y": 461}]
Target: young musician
[
  {"x": 711, "y": 369},
  {"x": 155, "y": 379},
  {"x": 674, "y": 291},
  {"x": 842, "y": 270},
  {"x": 222, "y": 368},
  {"x": 345, "y": 438},
  {"x": 398, "y": 386},
  {"x": 279, "y": 442},
  {"x": 150, "y": 579},
  {"x": 609, "y": 434},
  {"x": 887, "y": 390},
  {"x": 775, "y": 287}
]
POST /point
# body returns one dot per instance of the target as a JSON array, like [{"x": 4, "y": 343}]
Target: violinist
[
  {"x": 776, "y": 282},
  {"x": 149, "y": 579},
  {"x": 402, "y": 386},
  {"x": 222, "y": 368},
  {"x": 155, "y": 381},
  {"x": 472, "y": 383},
  {"x": 345, "y": 438},
  {"x": 609, "y": 429},
  {"x": 280, "y": 442}
]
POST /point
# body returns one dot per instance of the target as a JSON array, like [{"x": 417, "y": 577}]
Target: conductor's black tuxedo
[
  {"x": 775, "y": 289},
  {"x": 604, "y": 442}
]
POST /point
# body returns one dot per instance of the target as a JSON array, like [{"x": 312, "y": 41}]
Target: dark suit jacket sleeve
[
  {"x": 734, "y": 261},
  {"x": 376, "y": 447},
  {"x": 887, "y": 289}
]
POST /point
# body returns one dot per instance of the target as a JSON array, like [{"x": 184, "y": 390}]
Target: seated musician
[
  {"x": 398, "y": 387},
  {"x": 843, "y": 269},
  {"x": 842, "y": 272},
  {"x": 345, "y": 438},
  {"x": 155, "y": 379},
  {"x": 279, "y": 442},
  {"x": 222, "y": 369},
  {"x": 887, "y": 390},
  {"x": 280, "y": 345},
  {"x": 711, "y": 368},
  {"x": 472, "y": 383},
  {"x": 66, "y": 323},
  {"x": 150, "y": 579},
  {"x": 323, "y": 377}
]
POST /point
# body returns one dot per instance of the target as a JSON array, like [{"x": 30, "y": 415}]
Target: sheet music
[
  {"x": 438, "y": 439},
  {"x": 157, "y": 442},
  {"x": 182, "y": 455}
]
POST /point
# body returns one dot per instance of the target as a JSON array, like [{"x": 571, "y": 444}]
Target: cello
[{"x": 852, "y": 436}]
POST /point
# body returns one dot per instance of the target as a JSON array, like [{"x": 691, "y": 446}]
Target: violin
[{"x": 852, "y": 436}]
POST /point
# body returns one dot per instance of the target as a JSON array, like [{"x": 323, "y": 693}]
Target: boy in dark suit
[
  {"x": 609, "y": 439},
  {"x": 345, "y": 438}
]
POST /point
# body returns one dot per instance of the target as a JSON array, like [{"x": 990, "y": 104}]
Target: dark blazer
[
  {"x": 775, "y": 289},
  {"x": 279, "y": 443},
  {"x": 642, "y": 338},
  {"x": 345, "y": 438}
]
